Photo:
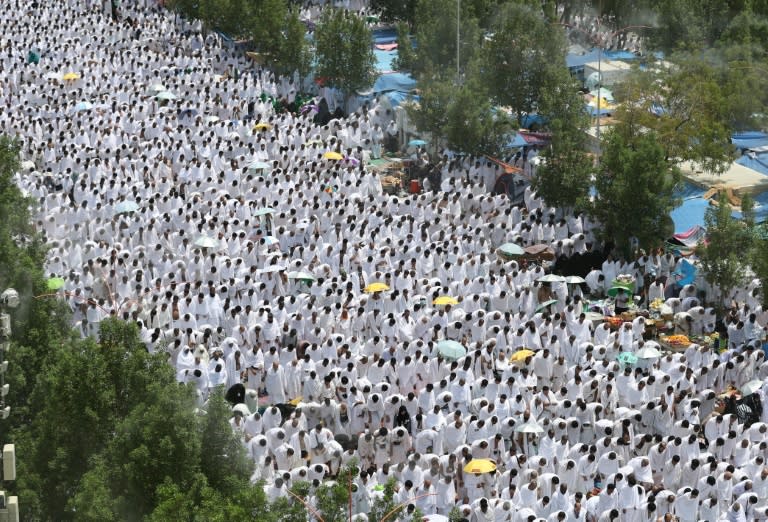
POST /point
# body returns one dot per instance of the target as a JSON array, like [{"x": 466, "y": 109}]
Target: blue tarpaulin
[
  {"x": 394, "y": 82},
  {"x": 756, "y": 162},
  {"x": 384, "y": 59},
  {"x": 384, "y": 36},
  {"x": 576, "y": 61},
  {"x": 689, "y": 214},
  {"x": 749, "y": 140}
]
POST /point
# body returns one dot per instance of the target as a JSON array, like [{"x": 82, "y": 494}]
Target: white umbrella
[
  {"x": 271, "y": 268},
  {"x": 242, "y": 408},
  {"x": 206, "y": 242},
  {"x": 529, "y": 427},
  {"x": 574, "y": 280},
  {"x": 648, "y": 352},
  {"x": 751, "y": 387},
  {"x": 551, "y": 278}
]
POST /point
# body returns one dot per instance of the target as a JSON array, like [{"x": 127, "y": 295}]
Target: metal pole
[
  {"x": 458, "y": 41},
  {"x": 599, "y": 90}
]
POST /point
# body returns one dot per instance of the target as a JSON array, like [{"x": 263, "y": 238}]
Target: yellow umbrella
[
  {"x": 296, "y": 401},
  {"x": 262, "y": 126},
  {"x": 376, "y": 287},
  {"x": 331, "y": 155},
  {"x": 70, "y": 76},
  {"x": 445, "y": 300},
  {"x": 480, "y": 466},
  {"x": 521, "y": 355}
]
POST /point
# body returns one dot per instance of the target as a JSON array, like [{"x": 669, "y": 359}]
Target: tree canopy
[
  {"x": 344, "y": 51},
  {"x": 635, "y": 190}
]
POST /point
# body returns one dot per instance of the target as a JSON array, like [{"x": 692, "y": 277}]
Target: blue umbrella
[
  {"x": 627, "y": 358},
  {"x": 686, "y": 274},
  {"x": 126, "y": 206},
  {"x": 451, "y": 349},
  {"x": 83, "y": 106},
  {"x": 416, "y": 143}
]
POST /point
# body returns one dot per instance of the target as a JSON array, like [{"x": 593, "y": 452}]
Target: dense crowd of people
[{"x": 174, "y": 194}]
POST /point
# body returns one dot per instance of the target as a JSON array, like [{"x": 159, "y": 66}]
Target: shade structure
[
  {"x": 480, "y": 466},
  {"x": 331, "y": 155},
  {"x": 301, "y": 276},
  {"x": 451, "y": 349},
  {"x": 54, "y": 283},
  {"x": 521, "y": 355},
  {"x": 551, "y": 278},
  {"x": 511, "y": 249},
  {"x": 545, "y": 304},
  {"x": 574, "y": 280},
  {"x": 126, "y": 206},
  {"x": 376, "y": 287},
  {"x": 529, "y": 427},
  {"x": 206, "y": 242},
  {"x": 445, "y": 300},
  {"x": 751, "y": 387},
  {"x": 648, "y": 352}
]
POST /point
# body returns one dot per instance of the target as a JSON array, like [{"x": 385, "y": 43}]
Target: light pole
[
  {"x": 458, "y": 39},
  {"x": 9, "y": 505},
  {"x": 599, "y": 41}
]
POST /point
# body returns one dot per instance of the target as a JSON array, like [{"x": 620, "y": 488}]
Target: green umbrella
[
  {"x": 511, "y": 249},
  {"x": 627, "y": 358},
  {"x": 54, "y": 283},
  {"x": 264, "y": 211},
  {"x": 545, "y": 304},
  {"x": 614, "y": 290},
  {"x": 451, "y": 349},
  {"x": 302, "y": 276}
]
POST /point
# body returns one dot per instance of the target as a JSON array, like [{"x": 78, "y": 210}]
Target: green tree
[
  {"x": 344, "y": 51},
  {"x": 635, "y": 190},
  {"x": 685, "y": 106},
  {"x": 473, "y": 125},
  {"x": 436, "y": 32},
  {"x": 267, "y": 28},
  {"x": 722, "y": 258},
  {"x": 292, "y": 51},
  {"x": 395, "y": 10},
  {"x": 406, "y": 55},
  {"x": 524, "y": 54},
  {"x": 759, "y": 262},
  {"x": 223, "y": 459},
  {"x": 157, "y": 440},
  {"x": 430, "y": 113},
  {"x": 564, "y": 177}
]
